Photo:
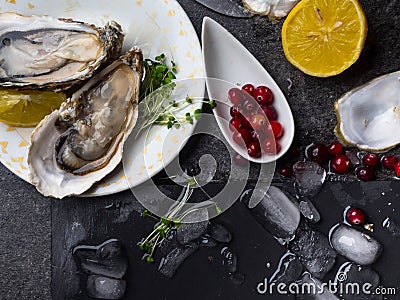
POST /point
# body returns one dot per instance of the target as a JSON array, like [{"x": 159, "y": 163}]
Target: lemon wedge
[
  {"x": 27, "y": 108},
  {"x": 323, "y": 38}
]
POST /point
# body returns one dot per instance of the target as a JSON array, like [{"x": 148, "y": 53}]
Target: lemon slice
[
  {"x": 324, "y": 37},
  {"x": 27, "y": 108}
]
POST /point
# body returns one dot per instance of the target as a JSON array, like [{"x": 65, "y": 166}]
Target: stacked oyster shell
[{"x": 79, "y": 144}]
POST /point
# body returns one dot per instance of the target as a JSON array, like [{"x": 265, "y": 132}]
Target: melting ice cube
[
  {"x": 308, "y": 210},
  {"x": 288, "y": 271},
  {"x": 355, "y": 245},
  {"x": 100, "y": 287},
  {"x": 309, "y": 178}
]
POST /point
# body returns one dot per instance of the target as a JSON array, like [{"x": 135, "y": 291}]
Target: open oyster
[
  {"x": 275, "y": 9},
  {"x": 44, "y": 52},
  {"x": 82, "y": 142},
  {"x": 369, "y": 116}
]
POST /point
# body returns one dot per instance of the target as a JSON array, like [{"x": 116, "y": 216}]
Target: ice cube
[
  {"x": 288, "y": 271},
  {"x": 392, "y": 227},
  {"x": 171, "y": 262},
  {"x": 107, "y": 259},
  {"x": 100, "y": 287},
  {"x": 313, "y": 289},
  {"x": 192, "y": 226},
  {"x": 308, "y": 210},
  {"x": 278, "y": 214},
  {"x": 219, "y": 233},
  {"x": 355, "y": 245},
  {"x": 313, "y": 250},
  {"x": 229, "y": 260},
  {"x": 355, "y": 278},
  {"x": 309, "y": 178}
]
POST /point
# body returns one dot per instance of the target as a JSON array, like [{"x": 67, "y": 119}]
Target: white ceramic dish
[
  {"x": 226, "y": 59},
  {"x": 157, "y": 26}
]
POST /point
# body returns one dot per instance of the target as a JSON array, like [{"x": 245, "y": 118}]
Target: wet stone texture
[{"x": 25, "y": 216}]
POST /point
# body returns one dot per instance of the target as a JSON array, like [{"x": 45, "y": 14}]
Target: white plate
[
  {"x": 226, "y": 59},
  {"x": 157, "y": 26}
]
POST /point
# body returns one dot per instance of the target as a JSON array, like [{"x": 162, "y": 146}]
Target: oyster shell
[
  {"x": 275, "y": 9},
  {"x": 44, "y": 52},
  {"x": 82, "y": 142},
  {"x": 369, "y": 116}
]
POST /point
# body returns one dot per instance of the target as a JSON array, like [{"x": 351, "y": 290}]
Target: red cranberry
[
  {"x": 253, "y": 149},
  {"x": 355, "y": 216},
  {"x": 258, "y": 122},
  {"x": 318, "y": 153},
  {"x": 389, "y": 161},
  {"x": 397, "y": 169},
  {"x": 249, "y": 88},
  {"x": 277, "y": 129},
  {"x": 258, "y": 135},
  {"x": 340, "y": 164},
  {"x": 335, "y": 148},
  {"x": 239, "y": 160},
  {"x": 236, "y": 123},
  {"x": 365, "y": 173},
  {"x": 235, "y": 111},
  {"x": 235, "y": 96},
  {"x": 271, "y": 146},
  {"x": 242, "y": 136},
  {"x": 249, "y": 106},
  {"x": 270, "y": 112},
  {"x": 370, "y": 160},
  {"x": 263, "y": 95},
  {"x": 286, "y": 171}
]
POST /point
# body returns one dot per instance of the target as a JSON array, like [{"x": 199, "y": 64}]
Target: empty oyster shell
[
  {"x": 82, "y": 142},
  {"x": 275, "y": 9},
  {"x": 369, "y": 116},
  {"x": 44, "y": 52}
]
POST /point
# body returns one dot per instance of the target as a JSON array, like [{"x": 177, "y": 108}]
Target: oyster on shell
[
  {"x": 41, "y": 52},
  {"x": 369, "y": 116},
  {"x": 275, "y": 9},
  {"x": 82, "y": 142}
]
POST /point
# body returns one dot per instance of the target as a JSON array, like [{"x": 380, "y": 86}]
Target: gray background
[{"x": 25, "y": 216}]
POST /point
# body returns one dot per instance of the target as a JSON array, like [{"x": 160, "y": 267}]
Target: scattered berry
[
  {"x": 370, "y": 160},
  {"x": 335, "y": 148},
  {"x": 286, "y": 171},
  {"x": 340, "y": 164},
  {"x": 235, "y": 111},
  {"x": 355, "y": 216},
  {"x": 263, "y": 95},
  {"x": 397, "y": 169},
  {"x": 365, "y": 173},
  {"x": 318, "y": 153},
  {"x": 249, "y": 88},
  {"x": 389, "y": 161},
  {"x": 236, "y": 123}
]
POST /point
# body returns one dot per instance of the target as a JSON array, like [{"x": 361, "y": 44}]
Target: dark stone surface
[{"x": 25, "y": 218}]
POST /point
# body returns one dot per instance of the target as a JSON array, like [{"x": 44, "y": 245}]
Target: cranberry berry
[
  {"x": 365, "y": 173},
  {"x": 397, "y": 169},
  {"x": 271, "y": 146},
  {"x": 235, "y": 111},
  {"x": 340, "y": 164},
  {"x": 355, "y": 216},
  {"x": 335, "y": 148},
  {"x": 286, "y": 171},
  {"x": 235, "y": 96},
  {"x": 318, "y": 153},
  {"x": 263, "y": 95},
  {"x": 242, "y": 136},
  {"x": 276, "y": 128},
  {"x": 389, "y": 161},
  {"x": 258, "y": 122},
  {"x": 270, "y": 112},
  {"x": 249, "y": 88},
  {"x": 370, "y": 160},
  {"x": 253, "y": 149}
]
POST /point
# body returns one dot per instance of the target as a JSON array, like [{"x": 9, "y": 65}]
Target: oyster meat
[
  {"x": 369, "y": 116},
  {"x": 44, "y": 52},
  {"x": 275, "y": 9},
  {"x": 82, "y": 142}
]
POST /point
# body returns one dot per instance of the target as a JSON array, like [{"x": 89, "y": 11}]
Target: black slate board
[{"x": 92, "y": 221}]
